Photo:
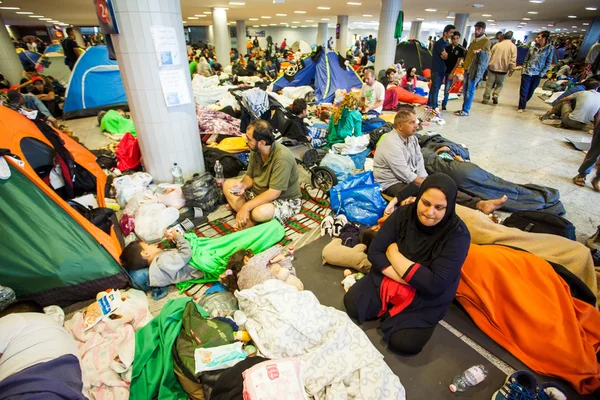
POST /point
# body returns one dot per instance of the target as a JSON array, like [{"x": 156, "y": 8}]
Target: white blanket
[
  {"x": 338, "y": 360},
  {"x": 206, "y": 90}
]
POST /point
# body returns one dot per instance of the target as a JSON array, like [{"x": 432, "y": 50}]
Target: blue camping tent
[
  {"x": 29, "y": 58},
  {"x": 54, "y": 48},
  {"x": 95, "y": 85},
  {"x": 326, "y": 75}
]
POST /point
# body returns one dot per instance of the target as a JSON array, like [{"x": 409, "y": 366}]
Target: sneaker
[
  {"x": 594, "y": 241},
  {"x": 338, "y": 223},
  {"x": 551, "y": 391},
  {"x": 327, "y": 226},
  {"x": 443, "y": 108},
  {"x": 495, "y": 100},
  {"x": 485, "y": 101},
  {"x": 519, "y": 386}
]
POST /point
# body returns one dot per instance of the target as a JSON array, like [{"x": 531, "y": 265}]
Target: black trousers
[
  {"x": 462, "y": 198},
  {"x": 592, "y": 155},
  {"x": 407, "y": 341}
]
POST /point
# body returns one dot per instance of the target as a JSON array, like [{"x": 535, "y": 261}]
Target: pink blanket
[{"x": 211, "y": 121}]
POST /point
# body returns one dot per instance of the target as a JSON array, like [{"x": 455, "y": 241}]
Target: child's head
[
  {"x": 22, "y": 306},
  {"x": 234, "y": 265},
  {"x": 138, "y": 255}
]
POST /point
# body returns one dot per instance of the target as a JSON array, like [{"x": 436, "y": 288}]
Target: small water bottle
[
  {"x": 471, "y": 377},
  {"x": 219, "y": 177},
  {"x": 177, "y": 174},
  {"x": 7, "y": 297}
]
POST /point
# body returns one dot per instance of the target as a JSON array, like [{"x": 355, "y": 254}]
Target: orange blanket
[
  {"x": 407, "y": 97},
  {"x": 518, "y": 300}
]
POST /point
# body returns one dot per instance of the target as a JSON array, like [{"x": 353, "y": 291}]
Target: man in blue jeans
[
  {"x": 474, "y": 74},
  {"x": 439, "y": 66},
  {"x": 536, "y": 64},
  {"x": 455, "y": 53}
]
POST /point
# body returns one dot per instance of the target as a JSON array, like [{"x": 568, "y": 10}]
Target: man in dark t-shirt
[
  {"x": 439, "y": 67},
  {"x": 71, "y": 48},
  {"x": 455, "y": 53},
  {"x": 46, "y": 94}
]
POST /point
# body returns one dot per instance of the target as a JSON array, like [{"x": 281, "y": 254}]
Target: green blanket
[
  {"x": 152, "y": 372},
  {"x": 116, "y": 124},
  {"x": 210, "y": 255}
]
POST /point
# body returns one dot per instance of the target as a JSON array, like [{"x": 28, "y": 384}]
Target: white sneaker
[
  {"x": 327, "y": 226},
  {"x": 339, "y": 222}
]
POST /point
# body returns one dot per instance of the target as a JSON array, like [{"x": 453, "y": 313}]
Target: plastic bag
[
  {"x": 145, "y": 197},
  {"x": 359, "y": 199},
  {"x": 170, "y": 195},
  {"x": 128, "y": 185},
  {"x": 342, "y": 166},
  {"x": 220, "y": 357},
  {"x": 202, "y": 191},
  {"x": 269, "y": 379},
  {"x": 153, "y": 219},
  {"x": 220, "y": 304}
]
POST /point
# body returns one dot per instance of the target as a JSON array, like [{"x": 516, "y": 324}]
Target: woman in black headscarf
[{"x": 417, "y": 256}]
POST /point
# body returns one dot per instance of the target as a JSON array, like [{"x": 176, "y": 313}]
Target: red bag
[{"x": 128, "y": 153}]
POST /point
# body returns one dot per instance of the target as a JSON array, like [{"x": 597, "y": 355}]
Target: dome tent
[{"x": 414, "y": 55}]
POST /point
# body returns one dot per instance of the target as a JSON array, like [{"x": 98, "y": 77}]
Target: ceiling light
[
  {"x": 519, "y": 27},
  {"x": 253, "y": 19},
  {"x": 24, "y": 12},
  {"x": 300, "y": 12},
  {"x": 352, "y": 3},
  {"x": 367, "y": 15},
  {"x": 550, "y": 24},
  {"x": 430, "y": 10},
  {"x": 54, "y": 21},
  {"x": 477, "y": 6},
  {"x": 583, "y": 30},
  {"x": 310, "y": 20},
  {"x": 491, "y": 20},
  {"x": 302, "y": 26},
  {"x": 486, "y": 15},
  {"x": 45, "y": 19},
  {"x": 586, "y": 23},
  {"x": 200, "y": 15},
  {"x": 449, "y": 16},
  {"x": 572, "y": 16},
  {"x": 36, "y": 16},
  {"x": 264, "y": 25},
  {"x": 526, "y": 19},
  {"x": 295, "y": 22},
  {"x": 294, "y": 27},
  {"x": 273, "y": 24},
  {"x": 324, "y": 19},
  {"x": 10, "y": 8},
  {"x": 265, "y": 17},
  {"x": 281, "y": 15},
  {"x": 574, "y": 27},
  {"x": 323, "y": 8},
  {"x": 207, "y": 12},
  {"x": 192, "y": 17},
  {"x": 283, "y": 23},
  {"x": 532, "y": 12},
  {"x": 420, "y": 19},
  {"x": 536, "y": 1},
  {"x": 591, "y": 8},
  {"x": 314, "y": 26},
  {"x": 523, "y": 23},
  {"x": 183, "y": 22},
  {"x": 237, "y": 3}
]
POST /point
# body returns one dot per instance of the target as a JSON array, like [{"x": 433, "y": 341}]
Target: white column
[
  {"x": 322, "y": 37},
  {"x": 10, "y": 65},
  {"x": 166, "y": 135},
  {"x": 415, "y": 30},
  {"x": 78, "y": 36},
  {"x": 460, "y": 22},
  {"x": 467, "y": 35},
  {"x": 240, "y": 33},
  {"x": 211, "y": 35},
  {"x": 342, "y": 43},
  {"x": 221, "y": 36},
  {"x": 386, "y": 42}
]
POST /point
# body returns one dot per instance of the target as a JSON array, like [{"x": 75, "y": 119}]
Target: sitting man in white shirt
[{"x": 371, "y": 95}]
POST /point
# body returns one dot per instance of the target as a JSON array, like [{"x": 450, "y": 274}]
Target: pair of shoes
[
  {"x": 485, "y": 101},
  {"x": 333, "y": 227},
  {"x": 443, "y": 108},
  {"x": 520, "y": 111},
  {"x": 495, "y": 100},
  {"x": 522, "y": 385},
  {"x": 461, "y": 113}
]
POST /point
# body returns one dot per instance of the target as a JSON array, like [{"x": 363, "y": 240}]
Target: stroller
[{"x": 306, "y": 155}]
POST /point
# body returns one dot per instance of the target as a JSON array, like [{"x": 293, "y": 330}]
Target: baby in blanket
[
  {"x": 245, "y": 270},
  {"x": 151, "y": 267}
]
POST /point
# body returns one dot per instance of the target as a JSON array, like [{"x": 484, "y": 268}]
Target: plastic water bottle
[
  {"x": 219, "y": 177},
  {"x": 471, "y": 377},
  {"x": 177, "y": 174},
  {"x": 7, "y": 297}
]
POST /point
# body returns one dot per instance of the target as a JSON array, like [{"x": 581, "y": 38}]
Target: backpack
[
  {"x": 232, "y": 166},
  {"x": 103, "y": 218},
  {"x": 541, "y": 222},
  {"x": 375, "y": 135}
]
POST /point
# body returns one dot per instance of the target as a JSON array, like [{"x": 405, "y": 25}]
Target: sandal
[
  {"x": 596, "y": 184},
  {"x": 579, "y": 180},
  {"x": 461, "y": 113}
]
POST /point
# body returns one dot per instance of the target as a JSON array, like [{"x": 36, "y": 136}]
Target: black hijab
[{"x": 420, "y": 243}]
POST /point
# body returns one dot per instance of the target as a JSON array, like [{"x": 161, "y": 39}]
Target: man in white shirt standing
[
  {"x": 371, "y": 95},
  {"x": 32, "y": 45}
]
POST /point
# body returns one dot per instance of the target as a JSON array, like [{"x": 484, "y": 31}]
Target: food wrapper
[
  {"x": 103, "y": 307},
  {"x": 220, "y": 357}
]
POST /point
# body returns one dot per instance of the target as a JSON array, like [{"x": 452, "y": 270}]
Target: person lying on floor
[
  {"x": 30, "y": 106},
  {"x": 576, "y": 110},
  {"x": 38, "y": 357},
  {"x": 271, "y": 187},
  {"x": 399, "y": 162},
  {"x": 590, "y": 83},
  {"x": 416, "y": 260},
  {"x": 152, "y": 268}
]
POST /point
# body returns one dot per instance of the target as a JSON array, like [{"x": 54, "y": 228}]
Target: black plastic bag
[{"x": 202, "y": 191}]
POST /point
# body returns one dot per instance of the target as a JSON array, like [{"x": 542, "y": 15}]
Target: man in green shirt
[
  {"x": 271, "y": 188},
  {"x": 193, "y": 66}
]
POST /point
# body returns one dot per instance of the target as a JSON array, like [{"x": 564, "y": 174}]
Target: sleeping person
[{"x": 416, "y": 260}]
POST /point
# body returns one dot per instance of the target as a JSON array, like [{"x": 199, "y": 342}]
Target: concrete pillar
[
  {"x": 221, "y": 35},
  {"x": 78, "y": 36},
  {"x": 166, "y": 135},
  {"x": 10, "y": 65},
  {"x": 415, "y": 30},
  {"x": 322, "y": 37},
  {"x": 460, "y": 22},
  {"x": 386, "y": 42},
  {"x": 240, "y": 33},
  {"x": 467, "y": 34},
  {"x": 211, "y": 35},
  {"x": 342, "y": 43},
  {"x": 591, "y": 37}
]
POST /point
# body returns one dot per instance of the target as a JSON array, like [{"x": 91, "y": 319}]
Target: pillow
[{"x": 336, "y": 254}]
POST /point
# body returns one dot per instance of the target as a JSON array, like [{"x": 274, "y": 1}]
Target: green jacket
[
  {"x": 152, "y": 374},
  {"x": 193, "y": 66},
  {"x": 349, "y": 124}
]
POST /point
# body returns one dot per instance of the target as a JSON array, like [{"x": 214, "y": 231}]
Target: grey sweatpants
[{"x": 495, "y": 81}]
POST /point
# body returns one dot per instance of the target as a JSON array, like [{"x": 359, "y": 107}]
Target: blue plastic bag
[{"x": 359, "y": 199}]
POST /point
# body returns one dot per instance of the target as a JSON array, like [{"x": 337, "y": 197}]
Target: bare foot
[{"x": 489, "y": 206}]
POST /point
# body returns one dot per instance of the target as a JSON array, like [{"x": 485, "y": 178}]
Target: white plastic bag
[
  {"x": 170, "y": 195},
  {"x": 141, "y": 198},
  {"x": 342, "y": 166},
  {"x": 128, "y": 185},
  {"x": 153, "y": 219}
]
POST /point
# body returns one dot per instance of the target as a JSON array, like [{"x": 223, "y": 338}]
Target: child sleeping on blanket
[
  {"x": 151, "y": 267},
  {"x": 245, "y": 270}
]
